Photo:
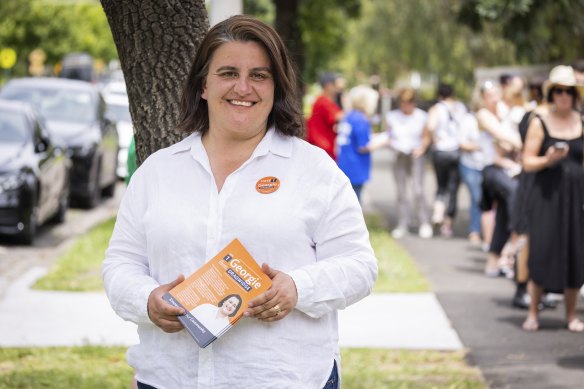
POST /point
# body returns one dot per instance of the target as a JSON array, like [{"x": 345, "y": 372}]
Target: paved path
[
  {"x": 477, "y": 307},
  {"x": 42, "y": 318},
  {"x": 480, "y": 308}
]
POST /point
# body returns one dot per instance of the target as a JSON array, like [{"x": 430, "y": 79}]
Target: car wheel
[
  {"x": 29, "y": 231},
  {"x": 109, "y": 190},
  {"x": 92, "y": 200}
]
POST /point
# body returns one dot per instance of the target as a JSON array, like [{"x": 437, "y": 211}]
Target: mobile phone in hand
[{"x": 560, "y": 145}]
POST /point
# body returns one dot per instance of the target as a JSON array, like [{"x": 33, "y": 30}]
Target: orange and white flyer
[{"x": 216, "y": 295}]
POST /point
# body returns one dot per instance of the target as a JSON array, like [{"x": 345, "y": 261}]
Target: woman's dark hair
[
  {"x": 445, "y": 91},
  {"x": 550, "y": 95},
  {"x": 238, "y": 297},
  {"x": 286, "y": 113}
]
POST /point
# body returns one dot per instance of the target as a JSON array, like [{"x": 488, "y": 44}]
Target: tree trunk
[
  {"x": 286, "y": 23},
  {"x": 156, "y": 42}
]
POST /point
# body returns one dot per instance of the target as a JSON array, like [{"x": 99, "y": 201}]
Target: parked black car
[
  {"x": 75, "y": 114},
  {"x": 77, "y": 66},
  {"x": 34, "y": 173}
]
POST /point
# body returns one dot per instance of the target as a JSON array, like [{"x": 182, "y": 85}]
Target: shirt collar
[{"x": 273, "y": 142}]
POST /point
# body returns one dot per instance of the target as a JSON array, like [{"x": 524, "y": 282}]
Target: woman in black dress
[{"x": 554, "y": 151}]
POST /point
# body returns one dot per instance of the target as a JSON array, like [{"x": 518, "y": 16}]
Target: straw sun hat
[{"x": 562, "y": 75}]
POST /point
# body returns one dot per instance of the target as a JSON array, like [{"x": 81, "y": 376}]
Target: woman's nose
[{"x": 242, "y": 86}]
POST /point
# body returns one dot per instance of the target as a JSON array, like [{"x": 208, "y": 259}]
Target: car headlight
[{"x": 10, "y": 182}]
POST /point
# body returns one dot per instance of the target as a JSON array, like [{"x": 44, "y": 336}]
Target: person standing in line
[
  {"x": 554, "y": 150},
  {"x": 188, "y": 201},
  {"x": 443, "y": 125},
  {"x": 341, "y": 94},
  {"x": 520, "y": 217},
  {"x": 354, "y": 133},
  {"x": 321, "y": 124},
  {"x": 474, "y": 146},
  {"x": 500, "y": 181},
  {"x": 405, "y": 129}
]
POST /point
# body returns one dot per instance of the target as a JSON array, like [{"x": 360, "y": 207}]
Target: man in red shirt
[{"x": 325, "y": 115}]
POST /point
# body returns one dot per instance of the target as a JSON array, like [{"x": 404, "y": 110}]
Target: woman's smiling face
[
  {"x": 239, "y": 90},
  {"x": 229, "y": 306}
]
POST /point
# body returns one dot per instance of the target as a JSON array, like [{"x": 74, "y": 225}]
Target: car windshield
[
  {"x": 119, "y": 112},
  {"x": 55, "y": 104},
  {"x": 13, "y": 127}
]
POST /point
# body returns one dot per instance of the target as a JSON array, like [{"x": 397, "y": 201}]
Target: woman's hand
[
  {"x": 278, "y": 301},
  {"x": 554, "y": 154},
  {"x": 163, "y": 314}
]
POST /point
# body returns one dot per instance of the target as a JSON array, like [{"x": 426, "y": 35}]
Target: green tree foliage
[
  {"x": 322, "y": 25},
  {"x": 541, "y": 30},
  {"x": 394, "y": 37},
  {"x": 56, "y": 26}
]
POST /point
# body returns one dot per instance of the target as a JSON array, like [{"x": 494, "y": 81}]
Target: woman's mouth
[{"x": 241, "y": 103}]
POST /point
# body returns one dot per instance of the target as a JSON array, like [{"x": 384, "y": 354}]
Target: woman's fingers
[{"x": 278, "y": 301}]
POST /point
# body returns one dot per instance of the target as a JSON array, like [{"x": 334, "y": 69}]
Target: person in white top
[
  {"x": 188, "y": 201},
  {"x": 443, "y": 126},
  {"x": 499, "y": 183},
  {"x": 474, "y": 146},
  {"x": 405, "y": 127},
  {"x": 216, "y": 317}
]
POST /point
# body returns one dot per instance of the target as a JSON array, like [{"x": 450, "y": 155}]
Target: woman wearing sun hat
[{"x": 554, "y": 151}]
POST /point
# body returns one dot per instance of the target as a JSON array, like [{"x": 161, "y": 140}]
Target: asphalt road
[
  {"x": 479, "y": 308},
  {"x": 52, "y": 240}
]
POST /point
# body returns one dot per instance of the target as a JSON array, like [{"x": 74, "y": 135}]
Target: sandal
[
  {"x": 530, "y": 325},
  {"x": 575, "y": 325}
]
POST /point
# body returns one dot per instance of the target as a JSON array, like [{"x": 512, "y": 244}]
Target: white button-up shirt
[{"x": 172, "y": 220}]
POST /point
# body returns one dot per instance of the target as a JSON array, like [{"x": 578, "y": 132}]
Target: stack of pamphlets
[{"x": 217, "y": 294}]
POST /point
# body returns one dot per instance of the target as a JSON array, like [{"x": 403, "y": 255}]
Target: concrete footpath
[{"x": 43, "y": 318}]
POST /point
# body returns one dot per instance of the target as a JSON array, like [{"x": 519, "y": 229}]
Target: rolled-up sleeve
[
  {"x": 126, "y": 273},
  {"x": 346, "y": 268}
]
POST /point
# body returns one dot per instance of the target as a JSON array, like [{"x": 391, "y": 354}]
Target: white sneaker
[
  {"x": 398, "y": 233},
  {"x": 438, "y": 212},
  {"x": 425, "y": 231}
]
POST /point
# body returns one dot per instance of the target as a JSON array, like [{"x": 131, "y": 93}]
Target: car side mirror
[
  {"x": 41, "y": 146},
  {"x": 109, "y": 118}
]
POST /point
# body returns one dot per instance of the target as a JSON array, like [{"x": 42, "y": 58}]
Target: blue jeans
[
  {"x": 473, "y": 180},
  {"x": 333, "y": 380},
  {"x": 331, "y": 383}
]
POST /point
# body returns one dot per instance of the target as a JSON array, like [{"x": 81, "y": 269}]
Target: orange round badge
[{"x": 267, "y": 185}]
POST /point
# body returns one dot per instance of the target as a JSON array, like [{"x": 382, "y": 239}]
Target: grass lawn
[
  {"x": 64, "y": 367},
  {"x": 80, "y": 268},
  {"x": 105, "y": 367},
  {"x": 397, "y": 271}
]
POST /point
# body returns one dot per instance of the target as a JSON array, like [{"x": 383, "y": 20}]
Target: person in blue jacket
[{"x": 353, "y": 137}]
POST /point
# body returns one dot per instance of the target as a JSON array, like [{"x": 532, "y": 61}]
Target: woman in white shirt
[
  {"x": 216, "y": 317},
  {"x": 188, "y": 201},
  {"x": 444, "y": 128},
  {"x": 405, "y": 128}
]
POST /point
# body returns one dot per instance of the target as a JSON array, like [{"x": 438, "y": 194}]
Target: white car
[
  {"x": 114, "y": 88},
  {"x": 118, "y": 110}
]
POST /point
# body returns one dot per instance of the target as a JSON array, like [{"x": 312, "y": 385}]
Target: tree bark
[
  {"x": 156, "y": 42},
  {"x": 286, "y": 23}
]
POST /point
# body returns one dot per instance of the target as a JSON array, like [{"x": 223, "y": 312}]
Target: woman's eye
[
  {"x": 259, "y": 76},
  {"x": 228, "y": 75}
]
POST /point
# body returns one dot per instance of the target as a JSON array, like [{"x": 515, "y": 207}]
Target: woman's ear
[{"x": 204, "y": 90}]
